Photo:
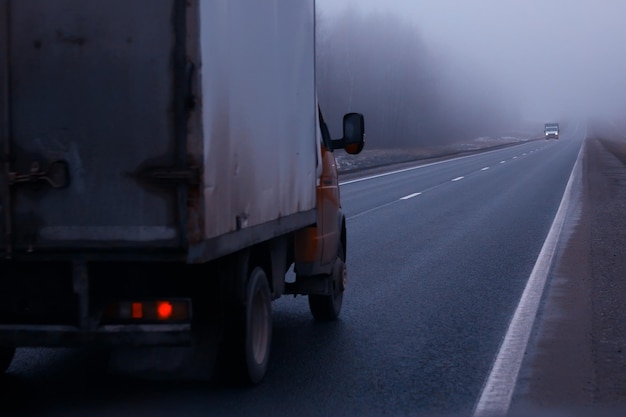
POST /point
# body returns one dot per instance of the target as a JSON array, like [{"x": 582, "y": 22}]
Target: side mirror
[{"x": 353, "y": 134}]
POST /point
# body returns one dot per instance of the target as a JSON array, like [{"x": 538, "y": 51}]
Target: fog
[{"x": 430, "y": 71}]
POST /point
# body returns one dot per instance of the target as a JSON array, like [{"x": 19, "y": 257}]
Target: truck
[
  {"x": 165, "y": 167},
  {"x": 551, "y": 130}
]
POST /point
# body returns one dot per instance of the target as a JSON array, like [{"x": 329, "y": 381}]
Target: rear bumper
[
  {"x": 108, "y": 335},
  {"x": 102, "y": 303}
]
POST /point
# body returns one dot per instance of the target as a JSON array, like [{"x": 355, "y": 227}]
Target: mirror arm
[{"x": 338, "y": 143}]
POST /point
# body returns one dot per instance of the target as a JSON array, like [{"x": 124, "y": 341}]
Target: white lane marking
[
  {"x": 416, "y": 167},
  {"x": 515, "y": 157},
  {"x": 485, "y": 169},
  {"x": 406, "y": 197},
  {"x": 495, "y": 398},
  {"x": 457, "y": 179},
  {"x": 503, "y": 162},
  {"x": 384, "y": 174}
]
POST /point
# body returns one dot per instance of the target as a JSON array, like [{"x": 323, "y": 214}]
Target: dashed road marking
[
  {"x": 384, "y": 174},
  {"x": 406, "y": 197}
]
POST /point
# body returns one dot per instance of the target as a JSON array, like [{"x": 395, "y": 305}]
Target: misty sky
[{"x": 556, "y": 57}]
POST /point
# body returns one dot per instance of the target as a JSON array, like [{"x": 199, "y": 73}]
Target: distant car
[{"x": 551, "y": 130}]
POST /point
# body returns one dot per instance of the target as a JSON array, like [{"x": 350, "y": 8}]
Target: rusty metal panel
[
  {"x": 92, "y": 83},
  {"x": 258, "y": 112},
  {"x": 101, "y": 152}
]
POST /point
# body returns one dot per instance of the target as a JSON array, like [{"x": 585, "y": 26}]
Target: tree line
[{"x": 410, "y": 93}]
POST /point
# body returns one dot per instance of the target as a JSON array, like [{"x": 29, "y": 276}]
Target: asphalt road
[{"x": 438, "y": 257}]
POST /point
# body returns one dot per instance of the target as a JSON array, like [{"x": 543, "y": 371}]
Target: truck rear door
[{"x": 91, "y": 127}]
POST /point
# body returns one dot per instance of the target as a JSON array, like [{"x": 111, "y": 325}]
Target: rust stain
[{"x": 195, "y": 211}]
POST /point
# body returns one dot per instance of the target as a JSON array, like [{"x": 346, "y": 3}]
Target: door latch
[{"x": 57, "y": 175}]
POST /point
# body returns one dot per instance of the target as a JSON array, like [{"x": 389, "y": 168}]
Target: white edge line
[
  {"x": 384, "y": 174},
  {"x": 495, "y": 398},
  {"x": 406, "y": 197},
  {"x": 421, "y": 166}
]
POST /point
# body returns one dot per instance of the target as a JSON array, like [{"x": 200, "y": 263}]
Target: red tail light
[{"x": 146, "y": 311}]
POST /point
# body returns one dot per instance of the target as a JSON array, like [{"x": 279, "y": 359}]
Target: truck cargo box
[{"x": 162, "y": 125}]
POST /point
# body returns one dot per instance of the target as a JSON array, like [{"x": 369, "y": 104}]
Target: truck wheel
[
  {"x": 258, "y": 326},
  {"x": 328, "y": 307},
  {"x": 245, "y": 346},
  {"x": 6, "y": 356}
]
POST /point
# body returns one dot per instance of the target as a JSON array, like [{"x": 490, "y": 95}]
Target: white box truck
[
  {"x": 163, "y": 164},
  {"x": 551, "y": 130}
]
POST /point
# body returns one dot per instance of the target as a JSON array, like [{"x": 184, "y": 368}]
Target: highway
[{"x": 438, "y": 257}]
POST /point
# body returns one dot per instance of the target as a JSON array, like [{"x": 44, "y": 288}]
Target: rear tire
[
  {"x": 258, "y": 326},
  {"x": 244, "y": 348},
  {"x": 328, "y": 307},
  {"x": 6, "y": 356}
]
